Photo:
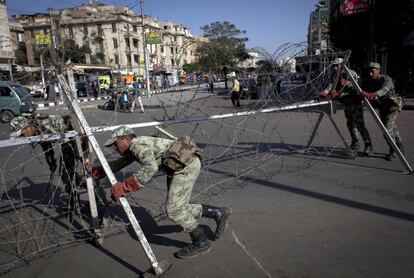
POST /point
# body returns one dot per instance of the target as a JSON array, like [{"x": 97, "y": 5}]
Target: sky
[{"x": 268, "y": 23}]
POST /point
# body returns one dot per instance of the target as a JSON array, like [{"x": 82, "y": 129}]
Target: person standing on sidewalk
[
  {"x": 379, "y": 90},
  {"x": 180, "y": 159},
  {"x": 136, "y": 94},
  {"x": 235, "y": 93},
  {"x": 211, "y": 83}
]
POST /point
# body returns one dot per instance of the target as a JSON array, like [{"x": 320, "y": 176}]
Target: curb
[{"x": 159, "y": 91}]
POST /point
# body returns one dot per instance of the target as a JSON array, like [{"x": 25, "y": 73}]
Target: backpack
[{"x": 181, "y": 153}]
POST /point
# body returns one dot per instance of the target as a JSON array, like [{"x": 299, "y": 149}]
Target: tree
[
  {"x": 219, "y": 30},
  {"x": 73, "y": 51},
  {"x": 21, "y": 55},
  {"x": 223, "y": 47}
]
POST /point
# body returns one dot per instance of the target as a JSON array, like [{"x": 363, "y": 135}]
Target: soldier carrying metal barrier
[
  {"x": 180, "y": 159},
  {"x": 42, "y": 124},
  {"x": 379, "y": 90},
  {"x": 340, "y": 88}
]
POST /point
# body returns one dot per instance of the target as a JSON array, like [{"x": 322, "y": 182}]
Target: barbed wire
[{"x": 33, "y": 206}]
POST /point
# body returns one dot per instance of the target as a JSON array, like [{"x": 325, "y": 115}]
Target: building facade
[
  {"x": 377, "y": 30},
  {"x": 6, "y": 42},
  {"x": 110, "y": 35}
]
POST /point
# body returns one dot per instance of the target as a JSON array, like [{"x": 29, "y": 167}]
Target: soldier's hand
[
  {"x": 335, "y": 94},
  {"x": 323, "y": 94},
  {"x": 372, "y": 96},
  {"x": 120, "y": 189},
  {"x": 88, "y": 165}
]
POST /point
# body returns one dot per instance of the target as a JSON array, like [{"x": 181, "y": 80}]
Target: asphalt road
[{"x": 320, "y": 214}]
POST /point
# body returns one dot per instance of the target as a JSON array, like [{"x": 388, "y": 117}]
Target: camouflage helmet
[
  {"x": 374, "y": 65},
  {"x": 337, "y": 61},
  {"x": 119, "y": 131},
  {"x": 17, "y": 124}
]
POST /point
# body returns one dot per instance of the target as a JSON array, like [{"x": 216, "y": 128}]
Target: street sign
[
  {"x": 154, "y": 38},
  {"x": 43, "y": 39}
]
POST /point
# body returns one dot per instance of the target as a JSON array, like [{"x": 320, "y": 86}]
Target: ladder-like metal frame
[{"x": 159, "y": 268}]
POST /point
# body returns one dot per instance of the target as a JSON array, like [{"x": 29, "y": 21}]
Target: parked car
[
  {"x": 248, "y": 88},
  {"x": 81, "y": 89},
  {"x": 14, "y": 100}
]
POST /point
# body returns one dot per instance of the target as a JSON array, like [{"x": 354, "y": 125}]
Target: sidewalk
[{"x": 165, "y": 92}]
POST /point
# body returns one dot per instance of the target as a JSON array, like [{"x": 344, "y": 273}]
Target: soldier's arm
[
  {"x": 146, "y": 157},
  {"x": 386, "y": 87},
  {"x": 121, "y": 163}
]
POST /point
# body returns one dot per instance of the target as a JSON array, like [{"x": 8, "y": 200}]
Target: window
[
  {"x": 135, "y": 42},
  {"x": 136, "y": 58},
  {"x": 85, "y": 30},
  {"x": 128, "y": 45},
  {"x": 165, "y": 27},
  {"x": 115, "y": 42},
  {"x": 32, "y": 34},
  {"x": 128, "y": 57},
  {"x": 5, "y": 92},
  {"x": 116, "y": 59},
  {"x": 71, "y": 31},
  {"x": 99, "y": 30},
  {"x": 175, "y": 39},
  {"x": 172, "y": 50},
  {"x": 162, "y": 49},
  {"x": 172, "y": 62},
  {"x": 113, "y": 27},
  {"x": 44, "y": 31},
  {"x": 134, "y": 28}
]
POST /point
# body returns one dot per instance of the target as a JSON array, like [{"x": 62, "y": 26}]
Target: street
[{"x": 295, "y": 214}]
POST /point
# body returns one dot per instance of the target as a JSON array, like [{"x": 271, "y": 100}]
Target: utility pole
[
  {"x": 43, "y": 72},
  {"x": 52, "y": 29},
  {"x": 144, "y": 41},
  {"x": 10, "y": 71}
]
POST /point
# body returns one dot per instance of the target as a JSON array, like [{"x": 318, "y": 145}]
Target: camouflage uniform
[
  {"x": 149, "y": 152},
  {"x": 49, "y": 124},
  {"x": 181, "y": 161},
  {"x": 354, "y": 114},
  {"x": 353, "y": 109},
  {"x": 388, "y": 103}
]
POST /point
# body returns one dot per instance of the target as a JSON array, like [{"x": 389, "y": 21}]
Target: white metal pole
[
  {"x": 43, "y": 72},
  {"x": 52, "y": 29},
  {"x": 10, "y": 71},
  {"x": 144, "y": 42}
]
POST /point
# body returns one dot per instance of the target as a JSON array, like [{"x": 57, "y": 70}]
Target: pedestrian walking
[
  {"x": 379, "y": 90},
  {"x": 180, "y": 160},
  {"x": 95, "y": 88},
  {"x": 211, "y": 83},
  {"x": 136, "y": 94},
  {"x": 235, "y": 93},
  {"x": 346, "y": 93}
]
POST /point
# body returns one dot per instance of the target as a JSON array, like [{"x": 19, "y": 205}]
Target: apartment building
[
  {"x": 6, "y": 43},
  {"x": 111, "y": 35}
]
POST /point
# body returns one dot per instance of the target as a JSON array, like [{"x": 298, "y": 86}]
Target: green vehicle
[{"x": 14, "y": 100}]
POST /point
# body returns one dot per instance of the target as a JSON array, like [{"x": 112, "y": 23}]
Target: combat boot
[
  {"x": 368, "y": 151},
  {"x": 221, "y": 217},
  {"x": 199, "y": 245},
  {"x": 400, "y": 146},
  {"x": 354, "y": 146}
]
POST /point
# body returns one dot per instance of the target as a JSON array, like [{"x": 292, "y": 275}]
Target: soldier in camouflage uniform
[
  {"x": 379, "y": 90},
  {"x": 41, "y": 124},
  {"x": 347, "y": 94},
  {"x": 180, "y": 159}
]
